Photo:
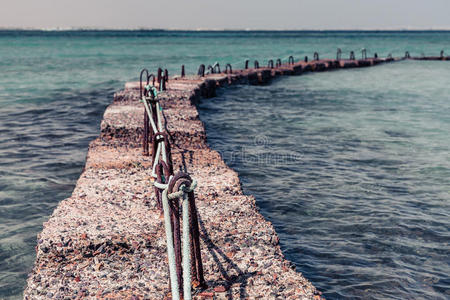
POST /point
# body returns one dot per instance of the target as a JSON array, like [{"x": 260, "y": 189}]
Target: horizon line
[{"x": 87, "y": 28}]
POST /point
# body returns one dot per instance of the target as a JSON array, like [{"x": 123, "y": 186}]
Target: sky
[{"x": 228, "y": 14}]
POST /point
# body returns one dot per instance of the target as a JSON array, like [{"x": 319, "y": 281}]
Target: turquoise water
[
  {"x": 361, "y": 204},
  {"x": 353, "y": 170}
]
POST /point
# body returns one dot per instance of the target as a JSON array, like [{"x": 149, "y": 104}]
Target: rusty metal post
[
  {"x": 352, "y": 55},
  {"x": 162, "y": 84},
  {"x": 182, "y": 71},
  {"x": 316, "y": 56},
  {"x": 246, "y": 64},
  {"x": 166, "y": 76},
  {"x": 146, "y": 132},
  {"x": 159, "y": 78},
  {"x": 175, "y": 216},
  {"x": 306, "y": 58},
  {"x": 201, "y": 70},
  {"x": 196, "y": 241},
  {"x": 256, "y": 64},
  {"x": 338, "y": 54},
  {"x": 164, "y": 80}
]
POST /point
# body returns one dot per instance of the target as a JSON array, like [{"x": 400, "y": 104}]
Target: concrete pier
[{"x": 107, "y": 240}]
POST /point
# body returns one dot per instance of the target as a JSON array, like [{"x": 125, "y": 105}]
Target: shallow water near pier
[
  {"x": 353, "y": 170},
  {"x": 358, "y": 192}
]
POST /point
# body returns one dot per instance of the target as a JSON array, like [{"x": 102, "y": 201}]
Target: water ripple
[
  {"x": 363, "y": 210},
  {"x": 42, "y": 150}
]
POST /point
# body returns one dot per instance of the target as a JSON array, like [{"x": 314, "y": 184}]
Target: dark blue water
[
  {"x": 352, "y": 168},
  {"x": 54, "y": 87}
]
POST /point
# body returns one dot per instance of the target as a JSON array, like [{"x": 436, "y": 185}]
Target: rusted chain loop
[
  {"x": 364, "y": 53},
  {"x": 228, "y": 67},
  {"x": 162, "y": 84},
  {"x": 256, "y": 64},
  {"x": 278, "y": 63},
  {"x": 140, "y": 81},
  {"x": 216, "y": 67},
  {"x": 159, "y": 75},
  {"x": 291, "y": 60},
  {"x": 389, "y": 56},
  {"x": 166, "y": 75},
  {"x": 270, "y": 64},
  {"x": 201, "y": 70},
  {"x": 375, "y": 55},
  {"x": 352, "y": 55},
  {"x": 442, "y": 54},
  {"x": 316, "y": 56},
  {"x": 338, "y": 54},
  {"x": 407, "y": 54},
  {"x": 173, "y": 192},
  {"x": 210, "y": 69},
  {"x": 183, "y": 188}
]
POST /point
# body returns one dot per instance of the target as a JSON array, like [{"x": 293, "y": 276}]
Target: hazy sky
[{"x": 229, "y": 14}]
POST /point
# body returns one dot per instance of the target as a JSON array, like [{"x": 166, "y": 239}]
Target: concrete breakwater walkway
[{"x": 107, "y": 240}]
